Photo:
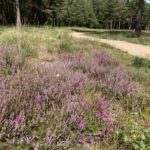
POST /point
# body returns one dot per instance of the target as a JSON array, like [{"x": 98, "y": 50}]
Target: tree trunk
[
  {"x": 119, "y": 24},
  {"x": 111, "y": 24},
  {"x": 114, "y": 24},
  {"x": 130, "y": 24},
  {"x": 3, "y": 19},
  {"x": 148, "y": 27},
  {"x": 138, "y": 27},
  {"x": 18, "y": 25},
  {"x": 18, "y": 17}
]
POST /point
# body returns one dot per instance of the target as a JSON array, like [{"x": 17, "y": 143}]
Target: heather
[
  {"x": 61, "y": 93},
  {"x": 45, "y": 105}
]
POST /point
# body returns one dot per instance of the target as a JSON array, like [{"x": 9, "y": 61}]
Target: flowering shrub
[{"x": 44, "y": 105}]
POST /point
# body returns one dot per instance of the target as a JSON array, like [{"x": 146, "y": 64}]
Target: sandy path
[{"x": 131, "y": 48}]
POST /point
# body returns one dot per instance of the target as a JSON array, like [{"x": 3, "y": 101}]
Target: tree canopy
[{"x": 117, "y": 14}]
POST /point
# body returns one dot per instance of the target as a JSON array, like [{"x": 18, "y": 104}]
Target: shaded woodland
[{"x": 114, "y": 14}]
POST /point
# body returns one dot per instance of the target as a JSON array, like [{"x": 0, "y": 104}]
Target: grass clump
[
  {"x": 66, "y": 44},
  {"x": 50, "y": 49},
  {"x": 141, "y": 62}
]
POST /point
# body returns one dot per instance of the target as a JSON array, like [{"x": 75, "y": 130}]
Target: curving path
[{"x": 131, "y": 48}]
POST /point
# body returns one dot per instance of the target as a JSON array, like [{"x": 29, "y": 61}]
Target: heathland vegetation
[
  {"x": 62, "y": 93},
  {"x": 59, "y": 93}
]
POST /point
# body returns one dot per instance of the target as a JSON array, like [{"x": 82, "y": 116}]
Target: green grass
[
  {"x": 32, "y": 39},
  {"x": 141, "y": 62},
  {"x": 50, "y": 49},
  {"x": 66, "y": 44}
]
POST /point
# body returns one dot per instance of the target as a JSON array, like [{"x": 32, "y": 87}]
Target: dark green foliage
[
  {"x": 141, "y": 62},
  {"x": 114, "y": 14},
  {"x": 79, "y": 13}
]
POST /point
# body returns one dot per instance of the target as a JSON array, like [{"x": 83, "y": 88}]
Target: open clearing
[
  {"x": 131, "y": 48},
  {"x": 63, "y": 92}
]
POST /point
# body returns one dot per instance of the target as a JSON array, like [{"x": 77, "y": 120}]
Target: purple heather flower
[
  {"x": 81, "y": 123},
  {"x": 81, "y": 98},
  {"x": 18, "y": 118},
  {"x": 37, "y": 146},
  {"x": 103, "y": 104},
  {"x": 104, "y": 116},
  {"x": 89, "y": 139},
  {"x": 50, "y": 138},
  {"x": 82, "y": 141}
]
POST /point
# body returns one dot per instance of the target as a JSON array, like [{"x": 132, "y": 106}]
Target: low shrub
[
  {"x": 45, "y": 106},
  {"x": 134, "y": 136}
]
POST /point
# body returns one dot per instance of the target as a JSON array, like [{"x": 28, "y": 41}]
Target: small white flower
[{"x": 57, "y": 75}]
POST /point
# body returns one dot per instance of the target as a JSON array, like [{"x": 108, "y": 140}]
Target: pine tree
[
  {"x": 138, "y": 27},
  {"x": 88, "y": 13},
  {"x": 146, "y": 17}
]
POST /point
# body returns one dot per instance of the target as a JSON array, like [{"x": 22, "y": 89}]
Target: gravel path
[{"x": 131, "y": 48}]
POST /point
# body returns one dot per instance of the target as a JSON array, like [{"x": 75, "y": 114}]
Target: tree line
[{"x": 110, "y": 14}]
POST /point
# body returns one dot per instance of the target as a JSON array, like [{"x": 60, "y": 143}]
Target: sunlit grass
[{"x": 33, "y": 39}]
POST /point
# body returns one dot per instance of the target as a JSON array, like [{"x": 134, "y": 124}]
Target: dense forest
[{"x": 114, "y": 14}]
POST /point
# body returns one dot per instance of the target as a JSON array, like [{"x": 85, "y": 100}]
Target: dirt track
[{"x": 131, "y": 48}]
